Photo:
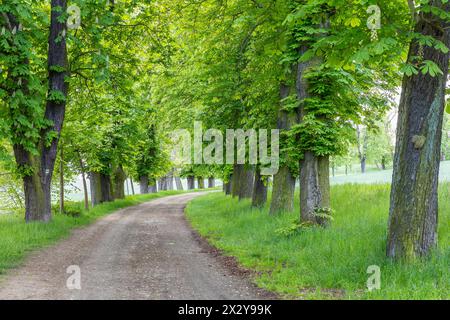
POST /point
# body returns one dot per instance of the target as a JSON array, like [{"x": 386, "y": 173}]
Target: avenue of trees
[{"x": 96, "y": 92}]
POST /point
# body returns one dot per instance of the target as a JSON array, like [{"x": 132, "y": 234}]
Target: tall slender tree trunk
[
  {"x": 132, "y": 186},
  {"x": 246, "y": 183},
  {"x": 211, "y": 182},
  {"x": 363, "y": 164},
  {"x": 61, "y": 182},
  {"x": 191, "y": 182},
  {"x": 143, "y": 184},
  {"x": 259, "y": 197},
  {"x": 413, "y": 215},
  {"x": 83, "y": 177},
  {"x": 383, "y": 163}
]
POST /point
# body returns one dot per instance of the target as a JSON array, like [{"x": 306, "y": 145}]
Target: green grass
[
  {"x": 18, "y": 238},
  {"x": 325, "y": 263}
]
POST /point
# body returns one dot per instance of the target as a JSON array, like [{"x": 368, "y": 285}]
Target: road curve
[{"x": 143, "y": 252}]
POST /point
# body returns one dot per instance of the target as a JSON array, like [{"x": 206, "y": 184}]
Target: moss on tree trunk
[
  {"x": 246, "y": 178},
  {"x": 237, "y": 171},
  {"x": 282, "y": 191},
  {"x": 314, "y": 188},
  {"x": 413, "y": 215}
]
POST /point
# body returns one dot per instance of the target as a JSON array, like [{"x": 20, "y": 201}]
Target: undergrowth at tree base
[{"x": 325, "y": 263}]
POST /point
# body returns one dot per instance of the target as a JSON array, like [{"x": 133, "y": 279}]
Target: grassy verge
[
  {"x": 18, "y": 238},
  {"x": 325, "y": 263}
]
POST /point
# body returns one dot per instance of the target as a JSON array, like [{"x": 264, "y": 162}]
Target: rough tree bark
[
  {"x": 259, "y": 197},
  {"x": 235, "y": 181},
  {"x": 211, "y": 182},
  {"x": 37, "y": 181},
  {"x": 119, "y": 183},
  {"x": 246, "y": 183},
  {"x": 107, "y": 194},
  {"x": 413, "y": 215},
  {"x": 282, "y": 191},
  {"x": 227, "y": 185},
  {"x": 191, "y": 182},
  {"x": 283, "y": 181},
  {"x": 314, "y": 188},
  {"x": 143, "y": 184},
  {"x": 314, "y": 170}
]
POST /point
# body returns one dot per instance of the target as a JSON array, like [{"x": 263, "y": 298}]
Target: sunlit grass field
[
  {"x": 328, "y": 263},
  {"x": 18, "y": 238}
]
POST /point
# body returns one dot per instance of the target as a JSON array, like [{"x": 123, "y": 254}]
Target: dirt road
[{"x": 143, "y": 252}]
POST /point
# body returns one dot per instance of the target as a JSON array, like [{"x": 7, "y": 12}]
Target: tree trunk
[
  {"x": 363, "y": 164},
  {"x": 413, "y": 214},
  {"x": 132, "y": 186},
  {"x": 191, "y": 182},
  {"x": 235, "y": 182},
  {"x": 246, "y": 183},
  {"x": 314, "y": 188},
  {"x": 169, "y": 180},
  {"x": 119, "y": 183},
  {"x": 163, "y": 183},
  {"x": 201, "y": 182},
  {"x": 100, "y": 188},
  {"x": 152, "y": 186},
  {"x": 282, "y": 191},
  {"x": 314, "y": 170},
  {"x": 96, "y": 188},
  {"x": 37, "y": 182},
  {"x": 283, "y": 181},
  {"x": 143, "y": 184},
  {"x": 85, "y": 189},
  {"x": 383, "y": 163},
  {"x": 227, "y": 185},
  {"x": 259, "y": 197},
  {"x": 178, "y": 183},
  {"x": 61, "y": 182},
  {"x": 211, "y": 182},
  {"x": 106, "y": 188}
]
